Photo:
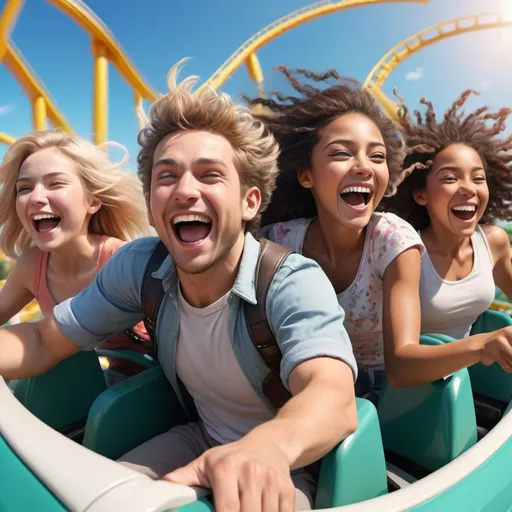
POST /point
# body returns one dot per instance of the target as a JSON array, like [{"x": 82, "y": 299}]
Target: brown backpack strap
[
  {"x": 152, "y": 291},
  {"x": 151, "y": 295},
  {"x": 271, "y": 257}
]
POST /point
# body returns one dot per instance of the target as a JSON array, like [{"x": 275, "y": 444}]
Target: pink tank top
[
  {"x": 120, "y": 341},
  {"x": 108, "y": 246}
]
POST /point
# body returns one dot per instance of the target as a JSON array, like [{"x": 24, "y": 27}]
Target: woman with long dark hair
[{"x": 339, "y": 156}]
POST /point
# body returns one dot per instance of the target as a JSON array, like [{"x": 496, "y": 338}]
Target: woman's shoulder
[
  {"x": 390, "y": 236},
  {"x": 390, "y": 226},
  {"x": 497, "y": 238},
  {"x": 29, "y": 258},
  {"x": 108, "y": 247},
  {"x": 27, "y": 267},
  {"x": 290, "y": 233},
  {"x": 112, "y": 242}
]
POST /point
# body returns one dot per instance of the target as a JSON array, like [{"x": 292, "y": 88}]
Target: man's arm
[
  {"x": 318, "y": 364},
  {"x": 254, "y": 472},
  {"x": 108, "y": 305},
  {"x": 32, "y": 348},
  {"x": 321, "y": 413}
]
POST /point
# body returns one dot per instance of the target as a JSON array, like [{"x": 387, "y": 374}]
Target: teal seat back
[
  {"x": 62, "y": 396},
  {"x": 429, "y": 425},
  {"x": 491, "y": 381},
  {"x": 355, "y": 470},
  {"x": 140, "y": 408},
  {"x": 132, "y": 412}
]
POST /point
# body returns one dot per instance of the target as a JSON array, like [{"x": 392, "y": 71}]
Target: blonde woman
[{"x": 64, "y": 211}]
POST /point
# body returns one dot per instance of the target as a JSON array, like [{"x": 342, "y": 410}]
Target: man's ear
[
  {"x": 305, "y": 178},
  {"x": 251, "y": 203},
  {"x": 147, "y": 197},
  {"x": 419, "y": 196}
]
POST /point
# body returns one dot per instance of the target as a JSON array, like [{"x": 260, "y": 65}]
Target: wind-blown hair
[
  {"x": 122, "y": 214},
  {"x": 426, "y": 137},
  {"x": 183, "y": 109},
  {"x": 297, "y": 123}
]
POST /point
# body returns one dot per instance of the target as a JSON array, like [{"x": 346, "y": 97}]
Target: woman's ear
[
  {"x": 419, "y": 196},
  {"x": 305, "y": 178},
  {"x": 94, "y": 206}
]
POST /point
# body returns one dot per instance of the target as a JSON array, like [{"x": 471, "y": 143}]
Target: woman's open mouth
[
  {"x": 45, "y": 222},
  {"x": 357, "y": 196},
  {"x": 191, "y": 229},
  {"x": 464, "y": 212}
]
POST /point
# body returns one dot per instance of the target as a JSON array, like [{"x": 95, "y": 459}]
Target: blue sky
[{"x": 157, "y": 33}]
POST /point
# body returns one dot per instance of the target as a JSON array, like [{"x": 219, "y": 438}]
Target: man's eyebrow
[
  {"x": 209, "y": 161},
  {"x": 166, "y": 161},
  {"x": 171, "y": 162}
]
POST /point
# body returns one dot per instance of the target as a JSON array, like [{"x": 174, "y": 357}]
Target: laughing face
[
  {"x": 456, "y": 192},
  {"x": 349, "y": 172},
  {"x": 197, "y": 203},
  {"x": 50, "y": 200}
]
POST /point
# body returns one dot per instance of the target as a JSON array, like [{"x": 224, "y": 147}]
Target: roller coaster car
[{"x": 429, "y": 448}]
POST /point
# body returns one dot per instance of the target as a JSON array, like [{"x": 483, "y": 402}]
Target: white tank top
[{"x": 451, "y": 307}]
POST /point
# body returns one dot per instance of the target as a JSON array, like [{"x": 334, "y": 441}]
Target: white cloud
[
  {"x": 486, "y": 85},
  {"x": 414, "y": 75},
  {"x": 5, "y": 109}
]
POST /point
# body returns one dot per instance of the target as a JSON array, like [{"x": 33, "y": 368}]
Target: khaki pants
[{"x": 183, "y": 444}]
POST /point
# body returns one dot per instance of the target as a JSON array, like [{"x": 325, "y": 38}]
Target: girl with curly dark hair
[
  {"x": 339, "y": 156},
  {"x": 459, "y": 181}
]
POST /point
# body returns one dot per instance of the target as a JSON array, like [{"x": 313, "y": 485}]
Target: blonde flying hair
[
  {"x": 122, "y": 214},
  {"x": 255, "y": 148}
]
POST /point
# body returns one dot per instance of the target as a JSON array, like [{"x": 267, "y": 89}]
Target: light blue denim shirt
[{"x": 302, "y": 310}]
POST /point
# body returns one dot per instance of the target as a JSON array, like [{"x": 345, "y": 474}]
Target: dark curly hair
[
  {"x": 297, "y": 123},
  {"x": 427, "y": 137}
]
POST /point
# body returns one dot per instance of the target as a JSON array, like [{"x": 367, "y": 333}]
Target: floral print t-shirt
[{"x": 386, "y": 237}]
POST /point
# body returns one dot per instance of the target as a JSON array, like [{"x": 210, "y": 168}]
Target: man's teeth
[
  {"x": 362, "y": 190},
  {"x": 465, "y": 208},
  {"x": 45, "y": 216},
  {"x": 191, "y": 218}
]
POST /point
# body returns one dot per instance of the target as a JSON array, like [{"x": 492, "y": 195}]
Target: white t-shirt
[
  {"x": 387, "y": 235},
  {"x": 207, "y": 366}
]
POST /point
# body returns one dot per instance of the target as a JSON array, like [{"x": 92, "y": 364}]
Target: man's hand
[
  {"x": 246, "y": 475},
  {"x": 253, "y": 474},
  {"x": 498, "y": 349}
]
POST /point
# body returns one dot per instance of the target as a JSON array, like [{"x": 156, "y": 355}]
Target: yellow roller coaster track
[
  {"x": 388, "y": 63},
  {"x": 43, "y": 104},
  {"x": 246, "y": 52},
  {"x": 105, "y": 48}
]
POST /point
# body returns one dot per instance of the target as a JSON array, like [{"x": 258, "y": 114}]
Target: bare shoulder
[
  {"x": 21, "y": 275},
  {"x": 27, "y": 261},
  {"x": 498, "y": 239}
]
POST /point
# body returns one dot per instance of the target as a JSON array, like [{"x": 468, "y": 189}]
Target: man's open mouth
[
  {"x": 356, "y": 196},
  {"x": 464, "y": 212},
  {"x": 191, "y": 228},
  {"x": 45, "y": 222}
]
